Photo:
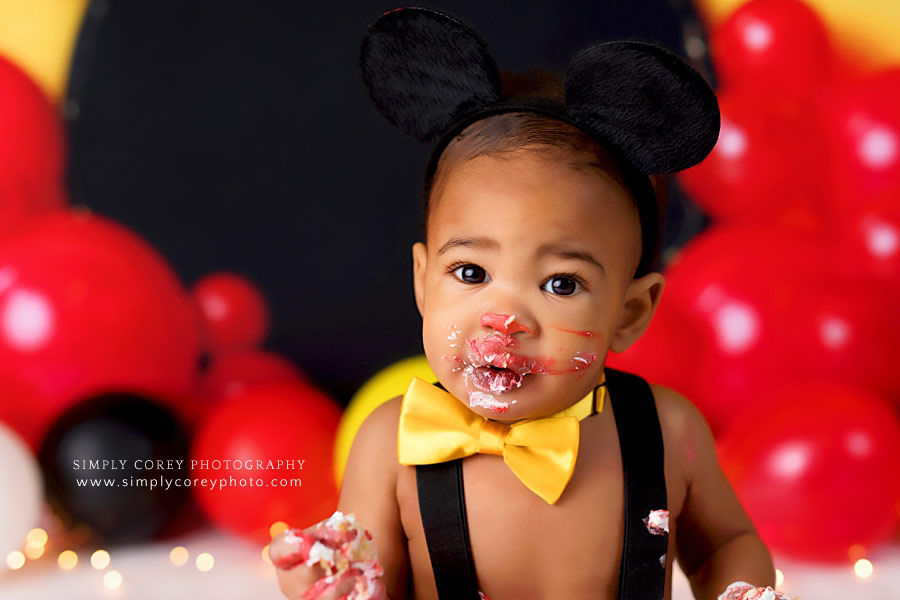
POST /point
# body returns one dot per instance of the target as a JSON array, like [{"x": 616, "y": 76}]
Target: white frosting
[
  {"x": 658, "y": 519},
  {"x": 741, "y": 590},
  {"x": 340, "y": 521},
  {"x": 319, "y": 552},
  {"x": 487, "y": 401},
  {"x": 291, "y": 538}
]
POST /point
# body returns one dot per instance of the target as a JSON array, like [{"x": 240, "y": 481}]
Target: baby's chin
[{"x": 527, "y": 401}]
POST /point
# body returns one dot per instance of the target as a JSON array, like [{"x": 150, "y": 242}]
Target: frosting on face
[{"x": 490, "y": 365}]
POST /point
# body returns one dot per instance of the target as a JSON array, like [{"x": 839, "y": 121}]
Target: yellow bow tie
[{"x": 435, "y": 427}]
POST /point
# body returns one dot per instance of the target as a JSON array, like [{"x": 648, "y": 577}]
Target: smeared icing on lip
[
  {"x": 505, "y": 324},
  {"x": 581, "y": 332},
  {"x": 494, "y": 351},
  {"x": 490, "y": 365},
  {"x": 491, "y": 379}
]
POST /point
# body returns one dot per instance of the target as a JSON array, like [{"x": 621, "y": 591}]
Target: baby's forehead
[
  {"x": 567, "y": 181},
  {"x": 527, "y": 202}
]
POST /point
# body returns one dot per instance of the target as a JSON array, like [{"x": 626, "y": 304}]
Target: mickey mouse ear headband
[{"x": 431, "y": 76}]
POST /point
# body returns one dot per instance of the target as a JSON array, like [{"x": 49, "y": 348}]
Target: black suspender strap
[
  {"x": 442, "y": 504},
  {"x": 641, "y": 574}
]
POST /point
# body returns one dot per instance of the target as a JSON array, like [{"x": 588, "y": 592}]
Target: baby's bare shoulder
[
  {"x": 379, "y": 430},
  {"x": 685, "y": 430},
  {"x": 676, "y": 412}
]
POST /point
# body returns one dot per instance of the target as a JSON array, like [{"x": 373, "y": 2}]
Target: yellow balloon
[
  {"x": 867, "y": 30},
  {"x": 39, "y": 36},
  {"x": 386, "y": 384}
]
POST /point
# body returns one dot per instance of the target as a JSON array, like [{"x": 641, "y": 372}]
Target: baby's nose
[{"x": 505, "y": 324}]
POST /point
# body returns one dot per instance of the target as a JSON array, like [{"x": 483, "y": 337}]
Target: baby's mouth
[
  {"x": 493, "y": 368},
  {"x": 496, "y": 380}
]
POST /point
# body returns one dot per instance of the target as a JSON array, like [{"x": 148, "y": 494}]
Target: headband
[{"x": 431, "y": 76}]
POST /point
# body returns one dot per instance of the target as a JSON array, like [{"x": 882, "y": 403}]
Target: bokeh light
[
  {"x": 36, "y": 537},
  {"x": 863, "y": 568},
  {"x": 34, "y": 551},
  {"x": 112, "y": 579},
  {"x": 67, "y": 560},
  {"x": 277, "y": 527},
  {"x": 205, "y": 561},
  {"x": 15, "y": 560},
  {"x": 100, "y": 559},
  {"x": 179, "y": 556}
]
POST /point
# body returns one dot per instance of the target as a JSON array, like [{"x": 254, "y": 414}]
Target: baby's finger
[
  {"x": 328, "y": 588},
  {"x": 290, "y": 547},
  {"x": 296, "y": 581}
]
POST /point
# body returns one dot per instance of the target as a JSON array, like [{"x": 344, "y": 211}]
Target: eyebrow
[
  {"x": 469, "y": 242},
  {"x": 571, "y": 253}
]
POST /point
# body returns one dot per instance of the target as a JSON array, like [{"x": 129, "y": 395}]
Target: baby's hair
[{"x": 514, "y": 132}]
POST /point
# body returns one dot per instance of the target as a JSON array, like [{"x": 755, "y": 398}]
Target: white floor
[{"x": 239, "y": 573}]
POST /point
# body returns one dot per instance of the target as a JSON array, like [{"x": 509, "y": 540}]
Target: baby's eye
[
  {"x": 561, "y": 286},
  {"x": 471, "y": 274}
]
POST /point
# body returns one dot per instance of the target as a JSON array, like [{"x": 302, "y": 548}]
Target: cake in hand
[
  {"x": 344, "y": 550},
  {"x": 741, "y": 590}
]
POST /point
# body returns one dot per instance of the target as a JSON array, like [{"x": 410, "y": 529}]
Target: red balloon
[
  {"x": 772, "y": 50},
  {"x": 869, "y": 241},
  {"x": 235, "y": 313},
  {"x": 31, "y": 151},
  {"x": 861, "y": 124},
  {"x": 268, "y": 422},
  {"x": 843, "y": 332},
  {"x": 732, "y": 290},
  {"x": 815, "y": 466},
  {"x": 232, "y": 373},
  {"x": 86, "y": 306},
  {"x": 758, "y": 168}
]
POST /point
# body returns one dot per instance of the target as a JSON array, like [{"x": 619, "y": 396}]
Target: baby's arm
[
  {"x": 369, "y": 493},
  {"x": 716, "y": 541}
]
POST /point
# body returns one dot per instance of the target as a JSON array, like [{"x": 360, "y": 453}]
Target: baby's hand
[
  {"x": 741, "y": 590},
  {"x": 332, "y": 559}
]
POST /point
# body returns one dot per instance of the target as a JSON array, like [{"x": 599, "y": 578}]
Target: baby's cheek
[
  {"x": 443, "y": 343},
  {"x": 579, "y": 345}
]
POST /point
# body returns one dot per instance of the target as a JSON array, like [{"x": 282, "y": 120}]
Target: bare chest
[{"x": 525, "y": 548}]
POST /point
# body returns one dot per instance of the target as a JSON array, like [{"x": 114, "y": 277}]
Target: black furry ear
[
  {"x": 424, "y": 70},
  {"x": 646, "y": 101}
]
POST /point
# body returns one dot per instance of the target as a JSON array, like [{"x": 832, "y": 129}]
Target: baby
[{"x": 530, "y": 471}]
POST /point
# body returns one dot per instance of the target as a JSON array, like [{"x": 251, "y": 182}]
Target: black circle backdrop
[{"x": 123, "y": 499}]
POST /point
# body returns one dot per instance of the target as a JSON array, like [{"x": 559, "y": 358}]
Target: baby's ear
[
  {"x": 425, "y": 70},
  {"x": 420, "y": 258},
  {"x": 645, "y": 101},
  {"x": 641, "y": 300}
]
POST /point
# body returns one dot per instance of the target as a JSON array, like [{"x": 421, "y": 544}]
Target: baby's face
[{"x": 523, "y": 281}]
